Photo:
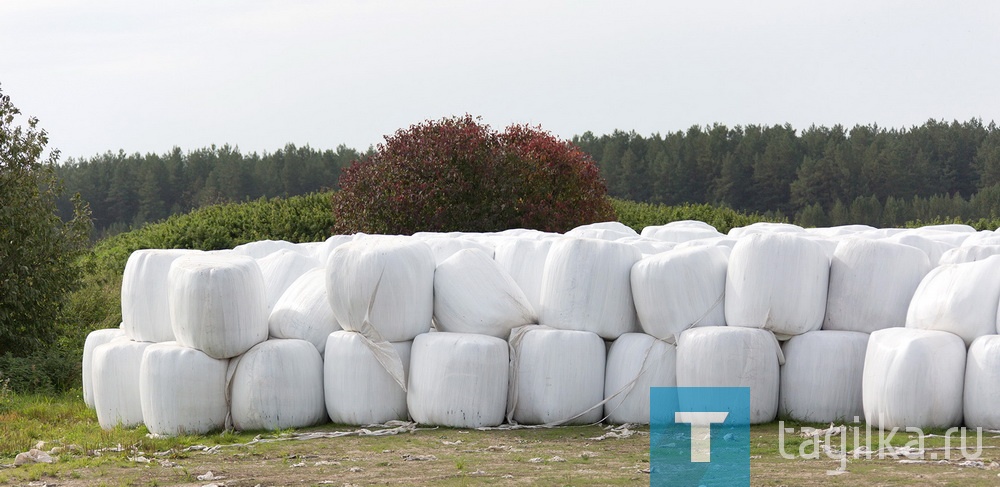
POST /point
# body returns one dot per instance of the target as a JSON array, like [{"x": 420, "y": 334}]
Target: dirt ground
[{"x": 586, "y": 455}]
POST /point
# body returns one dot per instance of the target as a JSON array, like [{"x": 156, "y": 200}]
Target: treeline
[
  {"x": 127, "y": 190},
  {"x": 814, "y": 177},
  {"x": 817, "y": 176}
]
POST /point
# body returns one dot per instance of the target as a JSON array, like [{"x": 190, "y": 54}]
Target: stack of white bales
[
  {"x": 195, "y": 312},
  {"x": 870, "y": 287},
  {"x": 112, "y": 367},
  {"x": 613, "y": 320},
  {"x": 218, "y": 305},
  {"x": 776, "y": 284},
  {"x": 558, "y": 369},
  {"x": 381, "y": 291},
  {"x": 954, "y": 306},
  {"x": 672, "y": 292}
]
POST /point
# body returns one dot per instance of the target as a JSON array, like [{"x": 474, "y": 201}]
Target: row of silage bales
[
  {"x": 215, "y": 304},
  {"x": 931, "y": 373},
  {"x": 607, "y": 264}
]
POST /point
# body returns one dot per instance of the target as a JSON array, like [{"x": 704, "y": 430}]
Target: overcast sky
[{"x": 146, "y": 76}]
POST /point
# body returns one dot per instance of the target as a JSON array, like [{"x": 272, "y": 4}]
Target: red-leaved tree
[{"x": 457, "y": 174}]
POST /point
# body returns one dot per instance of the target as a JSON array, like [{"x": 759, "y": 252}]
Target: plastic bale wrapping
[
  {"x": 145, "y": 311},
  {"x": 321, "y": 251},
  {"x": 304, "y": 311},
  {"x": 765, "y": 227},
  {"x": 603, "y": 231},
  {"x": 95, "y": 339},
  {"x": 263, "y": 248},
  {"x": 636, "y": 362},
  {"x": 821, "y": 376},
  {"x": 648, "y": 246},
  {"x": 982, "y": 383},
  {"x": 115, "y": 376},
  {"x": 359, "y": 390},
  {"x": 724, "y": 244},
  {"x": 217, "y": 303},
  {"x": 445, "y": 247},
  {"x": 984, "y": 238},
  {"x": 458, "y": 380},
  {"x": 586, "y": 287},
  {"x": 275, "y": 385},
  {"x": 182, "y": 390},
  {"x": 473, "y": 294},
  {"x": 972, "y": 253},
  {"x": 777, "y": 281},
  {"x": 557, "y": 376},
  {"x": 840, "y": 231},
  {"x": 281, "y": 269},
  {"x": 871, "y": 284},
  {"x": 524, "y": 260},
  {"x": 933, "y": 248},
  {"x": 390, "y": 277},
  {"x": 913, "y": 378},
  {"x": 676, "y": 290},
  {"x": 958, "y": 298},
  {"x": 681, "y": 231},
  {"x": 723, "y": 356}
]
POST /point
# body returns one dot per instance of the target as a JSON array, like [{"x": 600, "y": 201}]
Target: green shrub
[
  {"x": 38, "y": 251},
  {"x": 456, "y": 174}
]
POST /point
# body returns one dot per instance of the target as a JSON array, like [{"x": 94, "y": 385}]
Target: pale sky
[{"x": 144, "y": 77}]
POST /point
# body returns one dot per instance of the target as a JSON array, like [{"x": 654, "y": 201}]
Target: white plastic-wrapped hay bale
[
  {"x": 871, "y": 284},
  {"x": 304, "y": 311},
  {"x": 263, "y": 248},
  {"x": 115, "y": 377},
  {"x": 648, "y": 246},
  {"x": 676, "y": 290},
  {"x": 586, "y": 286},
  {"x": 958, "y": 298},
  {"x": 473, "y": 294},
  {"x": 217, "y": 303},
  {"x": 280, "y": 269},
  {"x": 636, "y": 362},
  {"x": 603, "y": 231},
  {"x": 913, "y": 378},
  {"x": 444, "y": 247},
  {"x": 829, "y": 244},
  {"x": 457, "y": 380},
  {"x": 972, "y": 253},
  {"x": 725, "y": 244},
  {"x": 182, "y": 390},
  {"x": 840, "y": 231},
  {"x": 983, "y": 238},
  {"x": 393, "y": 277},
  {"x": 949, "y": 227},
  {"x": 982, "y": 383},
  {"x": 724, "y": 356},
  {"x": 765, "y": 227},
  {"x": 95, "y": 339},
  {"x": 358, "y": 388},
  {"x": 821, "y": 376},
  {"x": 933, "y": 248},
  {"x": 145, "y": 312},
  {"x": 524, "y": 260},
  {"x": 681, "y": 231},
  {"x": 557, "y": 376},
  {"x": 321, "y": 251},
  {"x": 777, "y": 281},
  {"x": 275, "y": 385}
]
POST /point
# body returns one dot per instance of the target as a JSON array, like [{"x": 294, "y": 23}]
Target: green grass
[{"x": 90, "y": 456}]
